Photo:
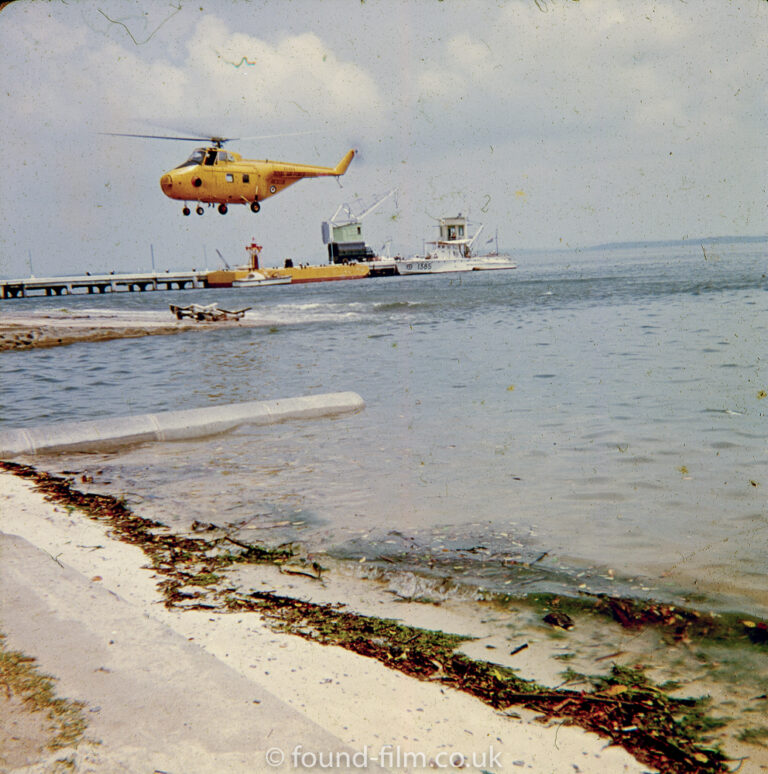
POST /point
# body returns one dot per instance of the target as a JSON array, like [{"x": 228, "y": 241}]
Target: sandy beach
[
  {"x": 39, "y": 330},
  {"x": 195, "y": 691}
]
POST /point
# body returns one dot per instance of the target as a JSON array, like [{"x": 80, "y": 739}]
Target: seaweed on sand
[
  {"x": 680, "y": 624},
  {"x": 625, "y": 707}
]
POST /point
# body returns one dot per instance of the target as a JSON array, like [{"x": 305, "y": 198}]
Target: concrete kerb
[{"x": 111, "y": 432}]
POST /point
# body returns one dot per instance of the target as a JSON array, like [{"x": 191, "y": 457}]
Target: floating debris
[
  {"x": 560, "y": 620},
  {"x": 207, "y": 313}
]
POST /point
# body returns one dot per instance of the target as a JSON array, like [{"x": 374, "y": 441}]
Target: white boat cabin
[{"x": 453, "y": 229}]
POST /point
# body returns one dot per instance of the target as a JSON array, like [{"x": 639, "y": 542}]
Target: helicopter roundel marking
[
  {"x": 272, "y": 189},
  {"x": 197, "y": 182}
]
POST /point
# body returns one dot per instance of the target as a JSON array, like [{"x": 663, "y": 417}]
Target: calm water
[{"x": 605, "y": 407}]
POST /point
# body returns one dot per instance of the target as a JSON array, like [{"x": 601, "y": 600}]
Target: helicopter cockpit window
[
  {"x": 196, "y": 158},
  {"x": 210, "y": 159}
]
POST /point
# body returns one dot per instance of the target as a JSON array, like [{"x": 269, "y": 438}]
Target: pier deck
[{"x": 102, "y": 283}]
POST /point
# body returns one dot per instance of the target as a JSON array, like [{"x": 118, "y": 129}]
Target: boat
[
  {"x": 331, "y": 272},
  {"x": 256, "y": 279},
  {"x": 253, "y": 275},
  {"x": 248, "y": 276},
  {"x": 452, "y": 252}
]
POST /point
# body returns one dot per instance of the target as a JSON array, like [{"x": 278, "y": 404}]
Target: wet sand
[
  {"x": 20, "y": 332},
  {"x": 202, "y": 692}
]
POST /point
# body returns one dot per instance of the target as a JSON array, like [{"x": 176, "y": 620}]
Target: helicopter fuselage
[{"x": 213, "y": 175}]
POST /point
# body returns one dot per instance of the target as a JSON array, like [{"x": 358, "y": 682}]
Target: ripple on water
[{"x": 588, "y": 446}]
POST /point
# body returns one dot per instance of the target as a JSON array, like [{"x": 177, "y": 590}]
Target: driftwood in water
[{"x": 207, "y": 313}]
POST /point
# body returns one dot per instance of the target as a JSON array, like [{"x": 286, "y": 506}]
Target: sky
[{"x": 555, "y": 123}]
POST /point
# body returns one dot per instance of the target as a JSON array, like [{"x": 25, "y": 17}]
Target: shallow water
[{"x": 601, "y": 412}]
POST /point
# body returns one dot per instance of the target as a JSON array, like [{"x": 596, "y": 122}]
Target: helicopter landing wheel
[
  {"x": 186, "y": 210},
  {"x": 255, "y": 206},
  {"x": 223, "y": 209},
  {"x": 199, "y": 209}
]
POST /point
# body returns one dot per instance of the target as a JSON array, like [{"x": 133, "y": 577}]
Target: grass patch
[{"x": 20, "y": 677}]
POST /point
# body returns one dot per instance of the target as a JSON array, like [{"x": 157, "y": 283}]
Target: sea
[{"x": 593, "y": 421}]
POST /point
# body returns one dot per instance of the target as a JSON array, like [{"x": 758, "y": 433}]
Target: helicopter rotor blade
[
  {"x": 216, "y": 140},
  {"x": 270, "y": 136},
  {"x": 209, "y": 138}
]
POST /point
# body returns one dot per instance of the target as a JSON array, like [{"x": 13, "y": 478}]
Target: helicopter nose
[{"x": 166, "y": 183}]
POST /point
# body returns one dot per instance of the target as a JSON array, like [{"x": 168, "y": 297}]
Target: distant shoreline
[{"x": 717, "y": 240}]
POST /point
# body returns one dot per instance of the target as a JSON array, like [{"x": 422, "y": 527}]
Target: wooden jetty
[{"x": 102, "y": 283}]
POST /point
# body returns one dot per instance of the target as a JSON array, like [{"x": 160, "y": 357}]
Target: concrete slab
[
  {"x": 113, "y": 432},
  {"x": 155, "y": 701}
]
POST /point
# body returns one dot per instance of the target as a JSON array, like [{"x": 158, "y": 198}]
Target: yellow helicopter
[{"x": 215, "y": 176}]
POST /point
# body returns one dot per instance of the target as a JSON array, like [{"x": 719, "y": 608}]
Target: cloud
[
  {"x": 593, "y": 66},
  {"x": 617, "y": 120},
  {"x": 228, "y": 81},
  {"x": 249, "y": 83}
]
